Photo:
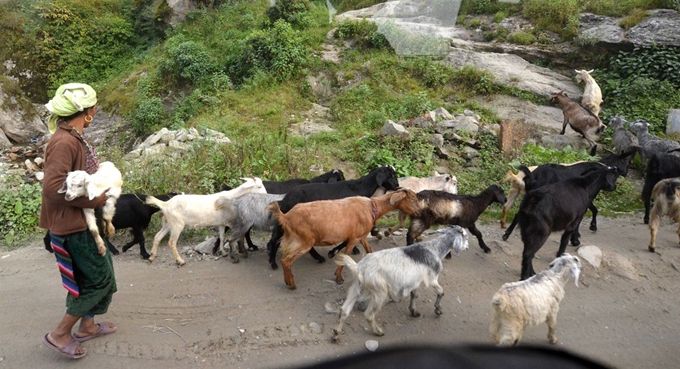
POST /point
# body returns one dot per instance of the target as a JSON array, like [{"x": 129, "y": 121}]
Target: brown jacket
[{"x": 64, "y": 153}]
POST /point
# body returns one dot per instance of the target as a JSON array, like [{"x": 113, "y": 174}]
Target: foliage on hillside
[{"x": 240, "y": 67}]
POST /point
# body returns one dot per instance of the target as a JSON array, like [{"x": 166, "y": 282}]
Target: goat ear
[
  {"x": 91, "y": 190},
  {"x": 436, "y": 173},
  {"x": 397, "y": 196},
  {"x": 63, "y": 188},
  {"x": 576, "y": 271}
]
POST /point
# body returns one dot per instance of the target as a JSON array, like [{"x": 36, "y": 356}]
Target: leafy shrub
[
  {"x": 521, "y": 38},
  {"x": 475, "y": 81},
  {"x": 486, "y": 7},
  {"x": 19, "y": 208},
  {"x": 430, "y": 72},
  {"x": 657, "y": 62},
  {"x": 559, "y": 16},
  {"x": 499, "y": 16},
  {"x": 186, "y": 61},
  {"x": 364, "y": 32},
  {"x": 633, "y": 19},
  {"x": 295, "y": 12},
  {"x": 279, "y": 51},
  {"x": 410, "y": 156},
  {"x": 149, "y": 115}
]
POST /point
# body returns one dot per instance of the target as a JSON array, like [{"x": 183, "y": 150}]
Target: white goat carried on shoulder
[
  {"x": 107, "y": 179},
  {"x": 530, "y": 302}
]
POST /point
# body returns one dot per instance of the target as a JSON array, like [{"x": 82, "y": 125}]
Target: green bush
[
  {"x": 149, "y": 115},
  {"x": 279, "y": 51},
  {"x": 521, "y": 38},
  {"x": 295, "y": 12},
  {"x": 19, "y": 209},
  {"x": 559, "y": 16},
  {"x": 364, "y": 32},
  {"x": 633, "y": 19},
  {"x": 657, "y": 62},
  {"x": 410, "y": 156},
  {"x": 186, "y": 61},
  {"x": 475, "y": 81}
]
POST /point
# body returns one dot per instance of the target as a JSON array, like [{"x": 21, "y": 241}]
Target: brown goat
[
  {"x": 579, "y": 118},
  {"x": 329, "y": 222},
  {"x": 666, "y": 197}
]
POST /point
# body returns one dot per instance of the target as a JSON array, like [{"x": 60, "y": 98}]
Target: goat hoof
[
  {"x": 274, "y": 266},
  {"x": 576, "y": 243},
  {"x": 505, "y": 237},
  {"x": 415, "y": 314},
  {"x": 339, "y": 281},
  {"x": 145, "y": 256},
  {"x": 593, "y": 228},
  {"x": 387, "y": 233},
  {"x": 235, "y": 260},
  {"x": 115, "y": 251},
  {"x": 651, "y": 249},
  {"x": 336, "y": 337},
  {"x": 321, "y": 260},
  {"x": 356, "y": 251},
  {"x": 486, "y": 250},
  {"x": 438, "y": 311},
  {"x": 253, "y": 247}
]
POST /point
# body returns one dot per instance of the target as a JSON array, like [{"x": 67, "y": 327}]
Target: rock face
[
  {"x": 180, "y": 9},
  {"x": 512, "y": 70},
  {"x": 17, "y": 125},
  {"x": 660, "y": 28}
]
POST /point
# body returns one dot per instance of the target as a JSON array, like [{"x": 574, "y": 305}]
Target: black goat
[
  {"x": 659, "y": 167},
  {"x": 559, "y": 206},
  {"x": 384, "y": 176},
  {"x": 553, "y": 173},
  {"x": 282, "y": 188},
  {"x": 131, "y": 212},
  {"x": 439, "y": 207}
]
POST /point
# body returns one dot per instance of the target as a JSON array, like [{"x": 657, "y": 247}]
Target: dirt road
[{"x": 212, "y": 313}]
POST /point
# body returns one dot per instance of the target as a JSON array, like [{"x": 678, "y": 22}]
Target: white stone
[
  {"x": 393, "y": 129},
  {"x": 673, "y": 125},
  {"x": 39, "y": 176},
  {"x": 371, "y": 345},
  {"x": 591, "y": 254},
  {"x": 206, "y": 246}
]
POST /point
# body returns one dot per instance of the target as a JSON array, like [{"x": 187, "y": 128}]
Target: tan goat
[
  {"x": 666, "y": 197},
  {"x": 592, "y": 95},
  {"x": 330, "y": 222},
  {"x": 580, "y": 119}
]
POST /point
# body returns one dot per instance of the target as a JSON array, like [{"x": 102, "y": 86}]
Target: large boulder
[
  {"x": 660, "y": 28},
  {"x": 512, "y": 70},
  {"x": 19, "y": 121}
]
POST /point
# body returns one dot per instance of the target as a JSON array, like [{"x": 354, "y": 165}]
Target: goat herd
[{"x": 329, "y": 210}]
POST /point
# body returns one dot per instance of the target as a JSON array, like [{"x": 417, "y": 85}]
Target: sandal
[
  {"x": 103, "y": 330},
  {"x": 69, "y": 350}
]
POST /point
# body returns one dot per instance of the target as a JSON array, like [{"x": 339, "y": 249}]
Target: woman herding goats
[{"x": 88, "y": 276}]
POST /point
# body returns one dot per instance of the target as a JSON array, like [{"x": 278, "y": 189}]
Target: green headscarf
[{"x": 68, "y": 100}]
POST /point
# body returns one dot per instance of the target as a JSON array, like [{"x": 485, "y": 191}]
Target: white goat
[
  {"x": 592, "y": 95},
  {"x": 107, "y": 178},
  {"x": 438, "y": 182},
  {"x": 518, "y": 305},
  {"x": 666, "y": 197},
  {"x": 196, "y": 211},
  {"x": 398, "y": 272}
]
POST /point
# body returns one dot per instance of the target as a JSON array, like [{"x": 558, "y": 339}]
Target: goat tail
[
  {"x": 150, "y": 200},
  {"x": 275, "y": 213},
  {"x": 499, "y": 302},
  {"x": 510, "y": 176},
  {"x": 349, "y": 263},
  {"x": 225, "y": 203}
]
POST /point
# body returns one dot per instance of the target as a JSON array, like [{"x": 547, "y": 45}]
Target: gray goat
[
  {"x": 622, "y": 139},
  {"x": 248, "y": 211},
  {"x": 650, "y": 144}
]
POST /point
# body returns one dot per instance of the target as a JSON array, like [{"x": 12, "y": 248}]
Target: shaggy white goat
[
  {"x": 398, "y": 272},
  {"x": 518, "y": 305},
  {"x": 666, "y": 197},
  {"x": 592, "y": 95},
  {"x": 196, "y": 211},
  {"x": 107, "y": 178}
]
